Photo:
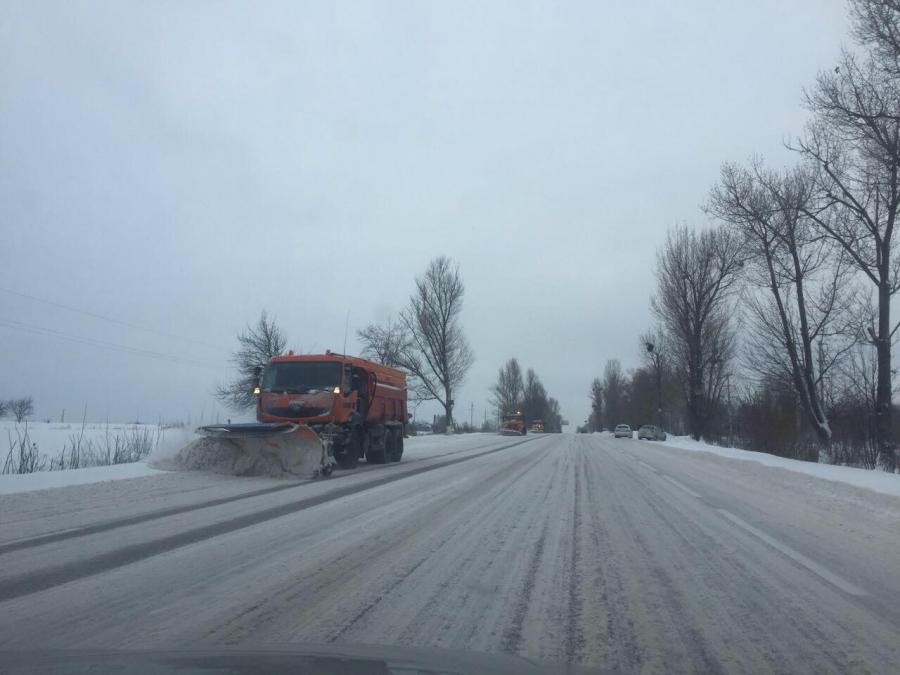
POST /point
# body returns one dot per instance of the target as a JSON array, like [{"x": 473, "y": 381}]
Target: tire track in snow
[
  {"x": 115, "y": 523},
  {"x": 475, "y": 565},
  {"x": 48, "y": 577},
  {"x": 512, "y": 636},
  {"x": 575, "y": 640},
  {"x": 618, "y": 635},
  {"x": 466, "y": 536},
  {"x": 326, "y": 590}
]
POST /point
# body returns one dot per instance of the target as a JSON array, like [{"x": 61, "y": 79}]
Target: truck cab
[{"x": 358, "y": 405}]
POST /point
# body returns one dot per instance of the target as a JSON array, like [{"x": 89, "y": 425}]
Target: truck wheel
[
  {"x": 349, "y": 458},
  {"x": 397, "y": 449},
  {"x": 379, "y": 456}
]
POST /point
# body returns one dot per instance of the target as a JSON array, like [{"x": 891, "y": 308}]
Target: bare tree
[
  {"x": 438, "y": 354},
  {"x": 4, "y": 408},
  {"x": 804, "y": 277},
  {"x": 614, "y": 392},
  {"x": 696, "y": 275},
  {"x": 553, "y": 417},
  {"x": 876, "y": 23},
  {"x": 21, "y": 407},
  {"x": 534, "y": 398},
  {"x": 853, "y": 142},
  {"x": 385, "y": 343},
  {"x": 595, "y": 422},
  {"x": 653, "y": 343},
  {"x": 508, "y": 390},
  {"x": 256, "y": 345},
  {"x": 389, "y": 343}
]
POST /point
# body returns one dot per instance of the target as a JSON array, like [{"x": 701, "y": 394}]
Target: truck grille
[{"x": 297, "y": 411}]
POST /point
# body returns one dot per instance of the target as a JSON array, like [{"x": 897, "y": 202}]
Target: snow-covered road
[{"x": 626, "y": 554}]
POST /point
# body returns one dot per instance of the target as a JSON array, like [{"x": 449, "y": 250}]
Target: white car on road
[
  {"x": 651, "y": 432},
  {"x": 622, "y": 431}
]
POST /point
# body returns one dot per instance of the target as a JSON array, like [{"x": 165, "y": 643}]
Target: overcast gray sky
[{"x": 180, "y": 166}]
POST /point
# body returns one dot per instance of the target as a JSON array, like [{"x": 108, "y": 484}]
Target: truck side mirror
[{"x": 257, "y": 371}]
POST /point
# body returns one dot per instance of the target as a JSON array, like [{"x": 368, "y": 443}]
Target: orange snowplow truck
[
  {"x": 356, "y": 406},
  {"x": 513, "y": 424}
]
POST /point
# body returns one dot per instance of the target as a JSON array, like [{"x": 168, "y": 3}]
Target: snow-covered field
[
  {"x": 95, "y": 443},
  {"x": 879, "y": 481}
]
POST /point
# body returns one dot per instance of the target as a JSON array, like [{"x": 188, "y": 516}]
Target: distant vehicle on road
[
  {"x": 622, "y": 431},
  {"x": 513, "y": 424},
  {"x": 651, "y": 432},
  {"x": 537, "y": 427}
]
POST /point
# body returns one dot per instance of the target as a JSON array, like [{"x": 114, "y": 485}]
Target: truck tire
[
  {"x": 379, "y": 456},
  {"x": 349, "y": 457},
  {"x": 397, "y": 446}
]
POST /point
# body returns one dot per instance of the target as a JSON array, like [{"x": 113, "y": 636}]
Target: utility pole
[{"x": 472, "y": 414}]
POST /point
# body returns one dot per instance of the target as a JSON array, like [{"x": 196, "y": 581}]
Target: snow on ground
[
  {"x": 879, "y": 481},
  {"x": 56, "y": 435},
  {"x": 52, "y": 438},
  {"x": 44, "y": 480}
]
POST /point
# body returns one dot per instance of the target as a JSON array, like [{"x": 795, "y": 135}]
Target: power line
[
  {"x": 103, "y": 344},
  {"x": 110, "y": 319}
]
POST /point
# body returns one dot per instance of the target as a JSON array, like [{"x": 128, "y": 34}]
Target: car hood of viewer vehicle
[{"x": 332, "y": 658}]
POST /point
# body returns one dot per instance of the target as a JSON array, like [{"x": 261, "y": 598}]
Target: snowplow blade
[{"x": 275, "y": 450}]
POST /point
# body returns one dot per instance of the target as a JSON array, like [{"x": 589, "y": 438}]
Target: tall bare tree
[
  {"x": 653, "y": 344},
  {"x": 439, "y": 354},
  {"x": 553, "y": 417},
  {"x": 853, "y": 141},
  {"x": 615, "y": 391},
  {"x": 876, "y": 24},
  {"x": 256, "y": 345},
  {"x": 508, "y": 390},
  {"x": 696, "y": 274},
  {"x": 595, "y": 422},
  {"x": 534, "y": 398},
  {"x": 804, "y": 277}
]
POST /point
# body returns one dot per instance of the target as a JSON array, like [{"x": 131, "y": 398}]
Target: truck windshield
[{"x": 301, "y": 377}]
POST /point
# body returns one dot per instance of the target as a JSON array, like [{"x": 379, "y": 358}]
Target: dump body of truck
[{"x": 357, "y": 406}]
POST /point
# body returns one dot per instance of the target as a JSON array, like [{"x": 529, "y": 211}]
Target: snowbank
[
  {"x": 44, "y": 480},
  {"x": 52, "y": 438},
  {"x": 878, "y": 481}
]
